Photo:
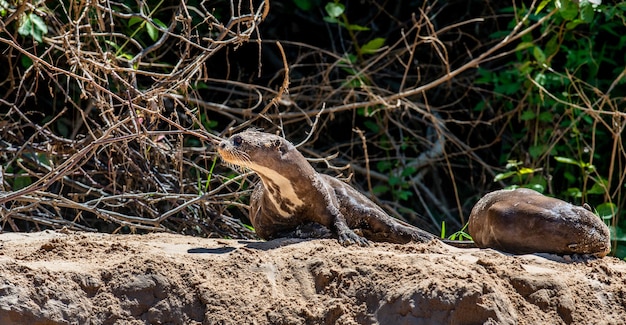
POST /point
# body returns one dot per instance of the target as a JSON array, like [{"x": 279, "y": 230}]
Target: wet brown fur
[
  {"x": 524, "y": 221},
  {"x": 324, "y": 199}
]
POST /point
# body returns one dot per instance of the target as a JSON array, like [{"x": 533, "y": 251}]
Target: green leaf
[
  {"x": 525, "y": 170},
  {"x": 43, "y": 159},
  {"x": 380, "y": 189},
  {"x": 596, "y": 189},
  {"x": 159, "y": 23},
  {"x": 383, "y": 166},
  {"x": 524, "y": 45},
  {"x": 305, "y": 5},
  {"x": 3, "y": 8},
  {"x": 528, "y": 115},
  {"x": 357, "y": 28},
  {"x": 403, "y": 195},
  {"x": 512, "y": 164},
  {"x": 21, "y": 182},
  {"x": 62, "y": 128},
  {"x": 574, "y": 192},
  {"x": 394, "y": 180},
  {"x": 33, "y": 25},
  {"x": 569, "y": 177},
  {"x": 25, "y": 61},
  {"x": 502, "y": 176},
  {"x": 352, "y": 58},
  {"x": 117, "y": 48},
  {"x": 586, "y": 11},
  {"x": 460, "y": 235},
  {"x": 567, "y": 9},
  {"x": 542, "y": 5},
  {"x": 537, "y": 187},
  {"x": 539, "y": 55},
  {"x": 39, "y": 24},
  {"x": 537, "y": 150},
  {"x": 573, "y": 24},
  {"x": 546, "y": 117},
  {"x": 373, "y": 45},
  {"x": 552, "y": 47},
  {"x": 599, "y": 187},
  {"x": 113, "y": 44},
  {"x": 201, "y": 85},
  {"x": 537, "y": 181},
  {"x": 606, "y": 211},
  {"x": 480, "y": 106},
  {"x": 152, "y": 32},
  {"x": 566, "y": 160},
  {"x": 25, "y": 26},
  {"x": 134, "y": 20},
  {"x": 334, "y": 10},
  {"x": 211, "y": 124},
  {"x": 541, "y": 79},
  {"x": 526, "y": 67},
  {"x": 372, "y": 126},
  {"x": 486, "y": 76},
  {"x": 408, "y": 171},
  {"x": 508, "y": 87},
  {"x": 617, "y": 234},
  {"x": 443, "y": 229}
]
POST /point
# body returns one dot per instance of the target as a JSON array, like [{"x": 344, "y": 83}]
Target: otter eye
[{"x": 237, "y": 140}]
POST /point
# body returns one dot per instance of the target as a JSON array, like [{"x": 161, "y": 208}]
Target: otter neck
[{"x": 280, "y": 190}]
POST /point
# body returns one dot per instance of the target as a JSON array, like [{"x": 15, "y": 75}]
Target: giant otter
[{"x": 524, "y": 221}]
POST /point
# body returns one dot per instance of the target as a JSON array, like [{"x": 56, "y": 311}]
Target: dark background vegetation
[{"x": 110, "y": 110}]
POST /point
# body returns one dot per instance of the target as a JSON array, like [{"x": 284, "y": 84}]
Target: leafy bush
[{"x": 563, "y": 89}]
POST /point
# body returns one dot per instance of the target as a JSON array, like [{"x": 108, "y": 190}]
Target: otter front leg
[
  {"x": 331, "y": 215},
  {"x": 346, "y": 235}
]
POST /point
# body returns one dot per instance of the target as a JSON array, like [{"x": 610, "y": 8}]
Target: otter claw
[{"x": 350, "y": 238}]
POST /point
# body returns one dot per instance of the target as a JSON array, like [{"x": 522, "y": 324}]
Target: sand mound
[{"x": 85, "y": 278}]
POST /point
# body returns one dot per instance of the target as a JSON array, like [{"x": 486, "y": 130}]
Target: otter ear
[
  {"x": 587, "y": 207},
  {"x": 283, "y": 148}
]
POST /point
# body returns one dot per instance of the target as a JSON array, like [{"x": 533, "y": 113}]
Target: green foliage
[
  {"x": 3, "y": 8},
  {"x": 373, "y": 45},
  {"x": 459, "y": 235},
  {"x": 336, "y": 14},
  {"x": 32, "y": 25},
  {"x": 149, "y": 28},
  {"x": 21, "y": 177},
  {"x": 522, "y": 176},
  {"x": 551, "y": 86},
  {"x": 108, "y": 70},
  {"x": 399, "y": 184},
  {"x": 305, "y": 5}
]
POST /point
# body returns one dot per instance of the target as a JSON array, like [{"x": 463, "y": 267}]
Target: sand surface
[{"x": 85, "y": 278}]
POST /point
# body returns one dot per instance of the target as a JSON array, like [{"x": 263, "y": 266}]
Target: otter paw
[{"x": 347, "y": 238}]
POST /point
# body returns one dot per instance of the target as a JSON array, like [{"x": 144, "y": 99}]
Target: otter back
[{"x": 525, "y": 221}]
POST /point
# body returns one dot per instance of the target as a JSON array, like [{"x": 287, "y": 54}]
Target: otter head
[
  {"x": 285, "y": 173},
  {"x": 256, "y": 150}
]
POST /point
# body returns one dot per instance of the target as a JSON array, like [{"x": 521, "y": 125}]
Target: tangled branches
[{"x": 93, "y": 127}]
